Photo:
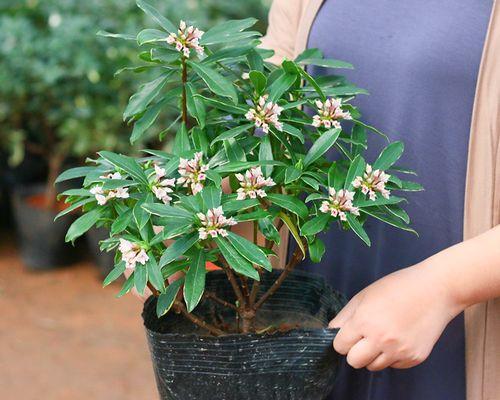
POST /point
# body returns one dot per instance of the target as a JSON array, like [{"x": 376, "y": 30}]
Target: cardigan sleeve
[{"x": 284, "y": 19}]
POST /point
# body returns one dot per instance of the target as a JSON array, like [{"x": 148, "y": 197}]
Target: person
[{"x": 433, "y": 70}]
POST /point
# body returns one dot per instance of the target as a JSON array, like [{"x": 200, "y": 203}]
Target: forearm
[{"x": 469, "y": 271}]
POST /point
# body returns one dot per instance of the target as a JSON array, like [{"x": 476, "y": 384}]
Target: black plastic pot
[
  {"x": 40, "y": 239},
  {"x": 296, "y": 365},
  {"x": 102, "y": 259}
]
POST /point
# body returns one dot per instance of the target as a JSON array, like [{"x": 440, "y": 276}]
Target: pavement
[{"x": 64, "y": 337}]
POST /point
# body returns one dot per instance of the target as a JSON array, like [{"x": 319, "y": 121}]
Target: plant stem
[
  {"x": 179, "y": 307},
  {"x": 296, "y": 257},
  {"x": 213, "y": 296},
  {"x": 233, "y": 281}
]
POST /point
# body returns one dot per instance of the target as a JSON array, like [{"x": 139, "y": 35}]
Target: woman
[{"x": 433, "y": 70}]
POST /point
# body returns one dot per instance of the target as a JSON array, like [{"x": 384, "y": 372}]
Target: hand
[{"x": 396, "y": 321}]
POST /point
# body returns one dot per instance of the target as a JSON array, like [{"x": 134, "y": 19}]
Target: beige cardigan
[{"x": 289, "y": 25}]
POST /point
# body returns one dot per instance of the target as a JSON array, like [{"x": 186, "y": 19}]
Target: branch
[
  {"x": 179, "y": 307},
  {"x": 296, "y": 257},
  {"x": 213, "y": 296},
  {"x": 233, "y": 281}
]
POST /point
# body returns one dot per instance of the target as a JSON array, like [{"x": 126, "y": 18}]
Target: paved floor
[{"x": 64, "y": 337}]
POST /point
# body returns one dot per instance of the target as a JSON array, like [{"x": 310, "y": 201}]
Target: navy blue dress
[{"x": 420, "y": 61}]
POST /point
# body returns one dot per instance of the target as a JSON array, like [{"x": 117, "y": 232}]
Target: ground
[{"x": 64, "y": 337}]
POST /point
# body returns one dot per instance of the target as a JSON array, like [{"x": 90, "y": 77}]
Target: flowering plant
[{"x": 253, "y": 146}]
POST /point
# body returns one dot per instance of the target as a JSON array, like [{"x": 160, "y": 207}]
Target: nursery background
[{"x": 62, "y": 336}]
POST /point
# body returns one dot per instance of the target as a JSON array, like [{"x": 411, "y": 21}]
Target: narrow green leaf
[
  {"x": 114, "y": 274},
  {"x": 237, "y": 262},
  {"x": 292, "y": 130},
  {"x": 83, "y": 224},
  {"x": 316, "y": 250},
  {"x": 232, "y": 133},
  {"x": 155, "y": 14},
  {"x": 226, "y": 31},
  {"x": 313, "y": 83},
  {"x": 178, "y": 248},
  {"x": 321, "y": 146},
  {"x": 215, "y": 82},
  {"x": 140, "y": 278},
  {"x": 221, "y": 105},
  {"x": 128, "y": 164},
  {"x": 389, "y": 156},
  {"x": 268, "y": 229},
  {"x": 234, "y": 151},
  {"x": 194, "y": 285},
  {"x": 166, "y": 300},
  {"x": 147, "y": 36},
  {"x": 266, "y": 154},
  {"x": 166, "y": 210},
  {"x": 292, "y": 174},
  {"x": 356, "y": 169},
  {"x": 181, "y": 141},
  {"x": 290, "y": 203},
  {"x": 154, "y": 273},
  {"x": 73, "y": 207},
  {"x": 123, "y": 36},
  {"x": 294, "y": 231},
  {"x": 195, "y": 105},
  {"x": 388, "y": 219},
  {"x": 325, "y": 63},
  {"x": 259, "y": 81},
  {"x": 315, "y": 225},
  {"x": 239, "y": 205},
  {"x": 249, "y": 250},
  {"x": 146, "y": 94},
  {"x": 211, "y": 197},
  {"x": 280, "y": 86},
  {"x": 73, "y": 173},
  {"x": 127, "y": 286}
]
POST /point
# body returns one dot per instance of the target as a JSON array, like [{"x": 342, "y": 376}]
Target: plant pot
[
  {"x": 102, "y": 259},
  {"x": 40, "y": 238},
  {"x": 298, "y": 364}
]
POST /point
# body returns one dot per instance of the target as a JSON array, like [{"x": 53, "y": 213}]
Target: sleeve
[{"x": 281, "y": 36}]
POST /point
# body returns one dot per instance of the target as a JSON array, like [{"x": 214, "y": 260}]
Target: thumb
[{"x": 345, "y": 314}]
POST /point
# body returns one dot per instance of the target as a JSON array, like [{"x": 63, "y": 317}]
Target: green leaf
[
  {"x": 146, "y": 94},
  {"x": 398, "y": 212},
  {"x": 211, "y": 197},
  {"x": 388, "y": 219},
  {"x": 316, "y": 250},
  {"x": 389, "y": 156},
  {"x": 215, "y": 81},
  {"x": 321, "y": 146},
  {"x": 226, "y": 31},
  {"x": 181, "y": 141},
  {"x": 221, "y": 105},
  {"x": 268, "y": 229},
  {"x": 294, "y": 231},
  {"x": 234, "y": 151},
  {"x": 335, "y": 177},
  {"x": 315, "y": 225},
  {"x": 115, "y": 273},
  {"x": 166, "y": 210},
  {"x": 379, "y": 201},
  {"x": 358, "y": 228},
  {"x": 166, "y": 300},
  {"x": 123, "y": 36},
  {"x": 237, "y": 262},
  {"x": 127, "y": 286},
  {"x": 309, "y": 53},
  {"x": 83, "y": 224},
  {"x": 290, "y": 203},
  {"x": 280, "y": 86},
  {"x": 239, "y": 205},
  {"x": 232, "y": 133},
  {"x": 255, "y": 61},
  {"x": 409, "y": 186},
  {"x": 141, "y": 216},
  {"x": 370, "y": 128},
  {"x": 154, "y": 273},
  {"x": 128, "y": 164},
  {"x": 292, "y": 174},
  {"x": 292, "y": 130},
  {"x": 320, "y": 62},
  {"x": 259, "y": 81},
  {"x": 178, "y": 248},
  {"x": 356, "y": 168},
  {"x": 147, "y": 36},
  {"x": 315, "y": 196},
  {"x": 73, "y": 173},
  {"x": 266, "y": 154},
  {"x": 252, "y": 216},
  {"x": 155, "y": 14},
  {"x": 237, "y": 166},
  {"x": 140, "y": 278},
  {"x": 313, "y": 83},
  {"x": 214, "y": 177},
  {"x": 195, "y": 105},
  {"x": 249, "y": 250},
  {"x": 194, "y": 284},
  {"x": 73, "y": 207}
]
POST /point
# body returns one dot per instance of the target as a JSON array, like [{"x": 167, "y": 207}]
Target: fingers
[
  {"x": 345, "y": 314},
  {"x": 345, "y": 339},
  {"x": 381, "y": 362},
  {"x": 362, "y": 354}
]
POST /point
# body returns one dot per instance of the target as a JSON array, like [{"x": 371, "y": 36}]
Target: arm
[{"x": 397, "y": 320}]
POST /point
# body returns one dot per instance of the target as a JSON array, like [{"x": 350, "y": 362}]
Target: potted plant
[{"x": 251, "y": 148}]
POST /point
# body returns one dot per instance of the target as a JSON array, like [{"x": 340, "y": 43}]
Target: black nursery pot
[
  {"x": 102, "y": 259},
  {"x": 299, "y": 364},
  {"x": 40, "y": 239}
]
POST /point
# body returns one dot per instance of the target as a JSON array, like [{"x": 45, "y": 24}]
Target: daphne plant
[{"x": 253, "y": 145}]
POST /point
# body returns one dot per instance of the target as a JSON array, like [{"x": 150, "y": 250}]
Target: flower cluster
[
  {"x": 330, "y": 113},
  {"x": 132, "y": 254},
  {"x": 213, "y": 223},
  {"x": 162, "y": 187},
  {"x": 372, "y": 182},
  {"x": 253, "y": 183},
  {"x": 192, "y": 173},
  {"x": 264, "y": 114},
  {"x": 102, "y": 196},
  {"x": 187, "y": 38},
  {"x": 338, "y": 203}
]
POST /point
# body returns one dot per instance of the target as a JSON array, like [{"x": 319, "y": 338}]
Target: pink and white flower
[
  {"x": 265, "y": 113},
  {"x": 373, "y": 182},
  {"x": 339, "y": 203},
  {"x": 192, "y": 173},
  {"x": 132, "y": 254},
  {"x": 102, "y": 196},
  {"x": 187, "y": 38},
  {"x": 330, "y": 114},
  {"x": 253, "y": 183},
  {"x": 162, "y": 187},
  {"x": 213, "y": 223}
]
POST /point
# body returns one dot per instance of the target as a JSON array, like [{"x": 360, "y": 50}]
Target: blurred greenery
[{"x": 58, "y": 93}]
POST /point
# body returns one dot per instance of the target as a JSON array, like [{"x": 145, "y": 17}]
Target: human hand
[{"x": 396, "y": 321}]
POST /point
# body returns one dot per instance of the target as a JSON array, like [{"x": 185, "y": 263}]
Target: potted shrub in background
[{"x": 250, "y": 148}]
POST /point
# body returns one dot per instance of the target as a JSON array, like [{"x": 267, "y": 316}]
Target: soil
[{"x": 64, "y": 337}]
